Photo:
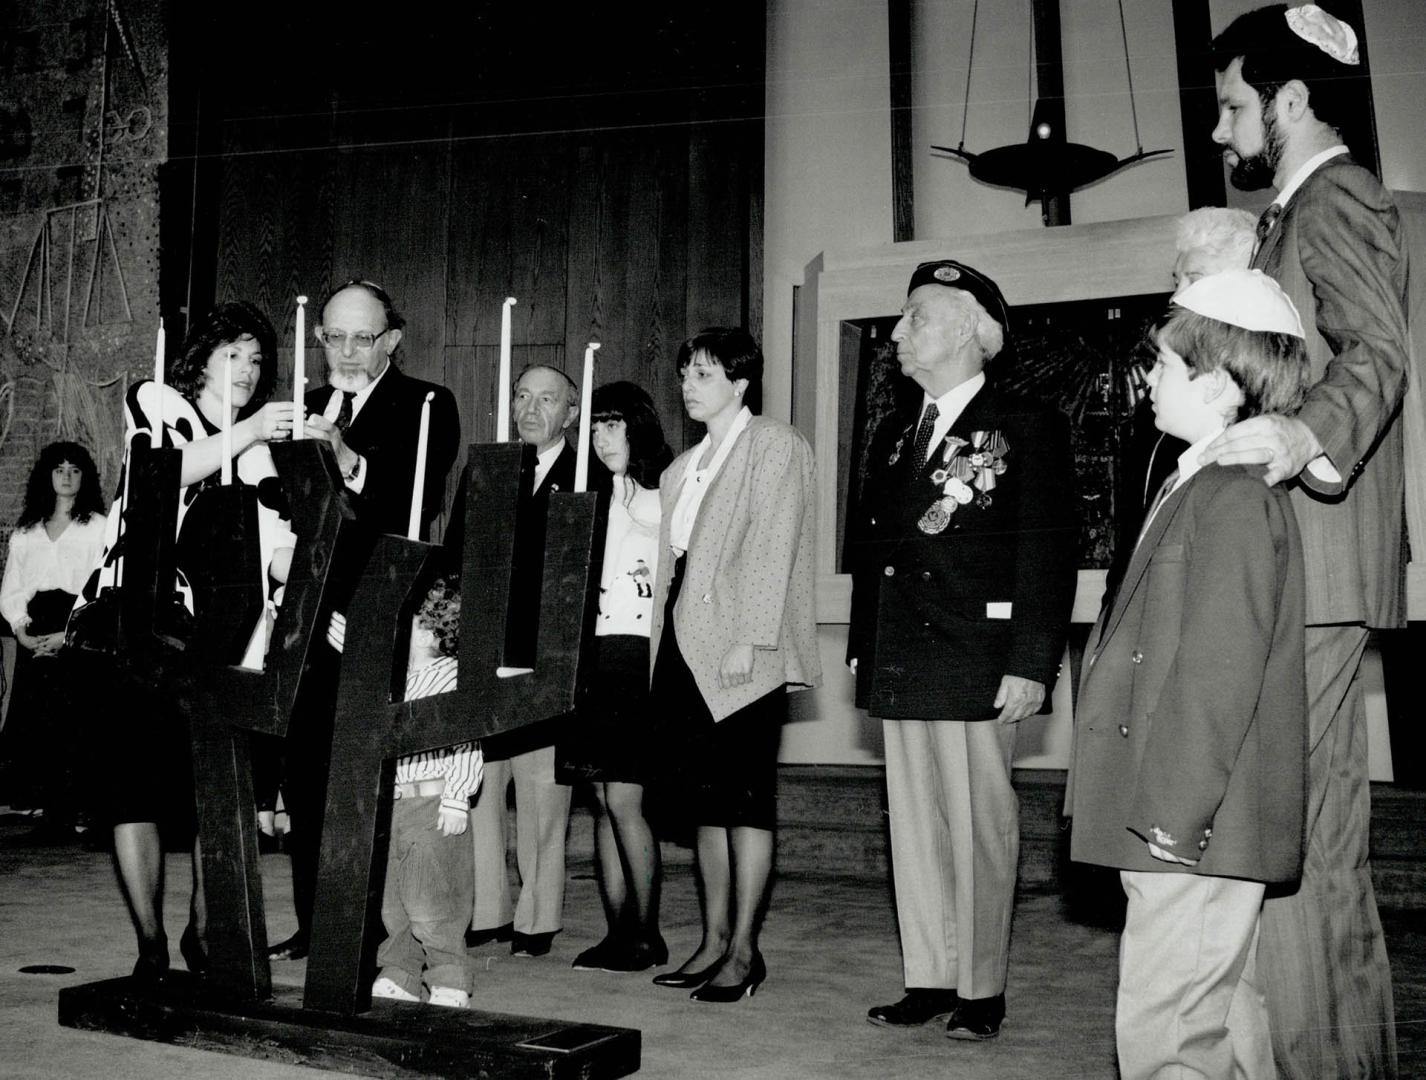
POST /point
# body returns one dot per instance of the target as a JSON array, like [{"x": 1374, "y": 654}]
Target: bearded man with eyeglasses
[{"x": 370, "y": 413}]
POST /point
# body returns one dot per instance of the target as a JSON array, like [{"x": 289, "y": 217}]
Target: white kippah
[
  {"x": 1328, "y": 33},
  {"x": 1246, "y": 298}
]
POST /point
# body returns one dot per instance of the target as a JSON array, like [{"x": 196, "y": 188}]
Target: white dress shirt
[
  {"x": 950, "y": 405},
  {"x": 334, "y": 406},
  {"x": 545, "y": 461}
]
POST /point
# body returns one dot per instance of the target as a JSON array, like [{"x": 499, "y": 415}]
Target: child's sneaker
[
  {"x": 450, "y": 997},
  {"x": 385, "y": 988}
]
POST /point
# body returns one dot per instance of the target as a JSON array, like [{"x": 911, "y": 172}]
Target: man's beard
[
  {"x": 354, "y": 380},
  {"x": 1257, "y": 172}
]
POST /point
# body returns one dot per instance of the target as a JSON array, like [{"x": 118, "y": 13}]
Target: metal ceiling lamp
[{"x": 1046, "y": 165}]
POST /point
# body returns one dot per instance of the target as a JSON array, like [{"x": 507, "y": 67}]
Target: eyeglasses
[{"x": 335, "y": 339}]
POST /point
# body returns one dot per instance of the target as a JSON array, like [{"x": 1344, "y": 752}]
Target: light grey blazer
[{"x": 749, "y": 575}]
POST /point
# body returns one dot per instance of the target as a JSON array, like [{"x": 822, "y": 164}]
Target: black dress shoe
[
  {"x": 977, "y": 1018},
  {"x": 474, "y": 939},
  {"x": 531, "y": 944},
  {"x": 640, "y": 954},
  {"x": 294, "y": 948},
  {"x": 597, "y": 957},
  {"x": 921, "y": 1005},
  {"x": 757, "y": 973}
]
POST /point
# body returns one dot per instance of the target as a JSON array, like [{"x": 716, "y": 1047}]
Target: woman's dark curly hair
[
  {"x": 733, "y": 349},
  {"x": 440, "y": 614},
  {"x": 39, "y": 490},
  {"x": 225, "y": 324},
  {"x": 649, "y": 452}
]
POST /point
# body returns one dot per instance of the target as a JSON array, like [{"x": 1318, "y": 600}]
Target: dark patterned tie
[
  {"x": 923, "y": 434},
  {"x": 344, "y": 414},
  {"x": 1165, "y": 490},
  {"x": 1267, "y": 223}
]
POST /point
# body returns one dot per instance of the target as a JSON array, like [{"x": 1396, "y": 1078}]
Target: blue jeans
[{"x": 426, "y": 903}]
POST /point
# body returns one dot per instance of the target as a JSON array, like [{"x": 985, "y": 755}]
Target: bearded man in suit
[
  {"x": 1333, "y": 240},
  {"x": 370, "y": 414},
  {"x": 963, "y": 578}
]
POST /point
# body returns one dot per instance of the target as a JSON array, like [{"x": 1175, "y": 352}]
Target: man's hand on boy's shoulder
[{"x": 1283, "y": 445}]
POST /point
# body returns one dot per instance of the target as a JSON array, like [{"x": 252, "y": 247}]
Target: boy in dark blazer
[{"x": 1190, "y": 752}]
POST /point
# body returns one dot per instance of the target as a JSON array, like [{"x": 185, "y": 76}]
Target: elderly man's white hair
[
  {"x": 1221, "y": 234},
  {"x": 989, "y": 334}
]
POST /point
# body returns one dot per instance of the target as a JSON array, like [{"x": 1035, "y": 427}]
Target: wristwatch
[{"x": 350, "y": 477}]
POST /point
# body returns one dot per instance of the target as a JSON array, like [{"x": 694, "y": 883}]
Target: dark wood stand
[
  {"x": 393, "y": 1039},
  {"x": 377, "y": 580}
]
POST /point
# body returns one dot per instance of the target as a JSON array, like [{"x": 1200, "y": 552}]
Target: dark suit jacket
[
  {"x": 928, "y": 643},
  {"x": 1191, "y": 725},
  {"x": 385, "y": 433},
  {"x": 522, "y": 627},
  {"x": 1339, "y": 252}
]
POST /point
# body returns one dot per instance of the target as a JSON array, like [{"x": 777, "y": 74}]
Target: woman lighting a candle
[{"x": 150, "y": 738}]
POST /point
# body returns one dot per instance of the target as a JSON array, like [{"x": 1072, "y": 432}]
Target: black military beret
[{"x": 955, "y": 275}]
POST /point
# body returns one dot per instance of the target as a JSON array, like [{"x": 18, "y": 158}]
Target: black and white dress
[{"x": 146, "y": 773}]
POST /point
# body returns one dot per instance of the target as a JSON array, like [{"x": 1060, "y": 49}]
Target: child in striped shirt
[{"x": 429, "y": 875}]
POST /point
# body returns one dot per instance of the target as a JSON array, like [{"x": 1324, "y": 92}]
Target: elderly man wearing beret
[{"x": 964, "y": 559}]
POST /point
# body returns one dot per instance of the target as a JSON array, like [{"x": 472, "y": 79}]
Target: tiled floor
[{"x": 830, "y": 947}]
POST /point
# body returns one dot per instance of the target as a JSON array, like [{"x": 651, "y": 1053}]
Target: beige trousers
[
  {"x": 1189, "y": 1004},
  {"x": 955, "y": 843},
  {"x": 541, "y": 822}
]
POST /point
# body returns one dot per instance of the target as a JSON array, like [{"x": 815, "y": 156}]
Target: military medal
[{"x": 937, "y": 517}]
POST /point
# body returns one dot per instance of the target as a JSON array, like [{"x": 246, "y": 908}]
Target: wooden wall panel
[
  {"x": 390, "y": 224},
  {"x": 633, "y": 240}
]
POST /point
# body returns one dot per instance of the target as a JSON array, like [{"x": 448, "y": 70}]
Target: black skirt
[
  {"x": 142, "y": 766},
  {"x": 607, "y": 738},
  {"x": 40, "y": 746},
  {"x": 723, "y": 773}
]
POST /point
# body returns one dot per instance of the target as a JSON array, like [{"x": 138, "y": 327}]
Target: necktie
[
  {"x": 344, "y": 414},
  {"x": 1115, "y": 577},
  {"x": 1267, "y": 222},
  {"x": 923, "y": 434},
  {"x": 1164, "y": 490}
]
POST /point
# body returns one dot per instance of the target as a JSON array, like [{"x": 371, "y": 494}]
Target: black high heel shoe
[
  {"x": 687, "y": 980},
  {"x": 193, "y": 952},
  {"x": 757, "y": 972},
  {"x": 151, "y": 968}
]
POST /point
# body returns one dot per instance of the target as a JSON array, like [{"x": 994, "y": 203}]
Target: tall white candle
[
  {"x": 502, "y": 387},
  {"x": 586, "y": 405},
  {"x": 158, "y": 351},
  {"x": 299, "y": 371},
  {"x": 158, "y": 355},
  {"x": 227, "y": 476},
  {"x": 418, "y": 483}
]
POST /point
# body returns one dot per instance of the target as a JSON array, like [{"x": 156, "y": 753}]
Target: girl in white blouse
[
  {"x": 608, "y": 741},
  {"x": 55, "y": 542}
]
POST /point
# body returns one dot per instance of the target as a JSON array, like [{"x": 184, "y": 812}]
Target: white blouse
[
  {"x": 631, "y": 555},
  {"x": 37, "y": 563},
  {"x": 696, "y": 482}
]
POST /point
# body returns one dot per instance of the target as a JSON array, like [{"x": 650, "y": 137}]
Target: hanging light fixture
[{"x": 1046, "y": 164}]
